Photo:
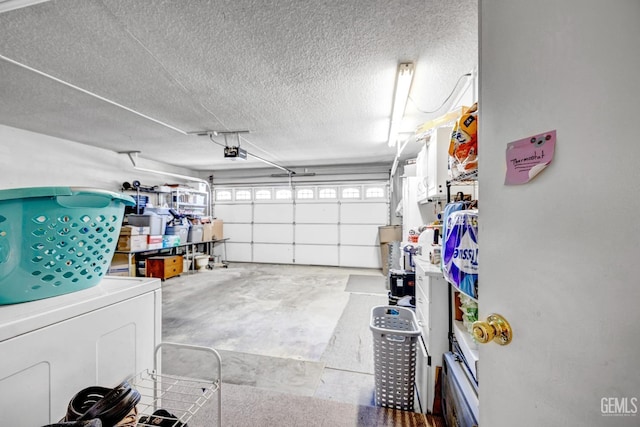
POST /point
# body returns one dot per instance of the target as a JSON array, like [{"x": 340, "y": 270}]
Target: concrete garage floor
[{"x": 287, "y": 328}]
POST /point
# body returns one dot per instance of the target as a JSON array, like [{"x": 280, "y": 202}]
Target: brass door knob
[{"x": 495, "y": 328}]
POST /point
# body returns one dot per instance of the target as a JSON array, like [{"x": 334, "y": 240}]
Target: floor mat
[
  {"x": 364, "y": 284},
  {"x": 249, "y": 406},
  {"x": 346, "y": 386},
  {"x": 286, "y": 375},
  {"x": 351, "y": 346}
]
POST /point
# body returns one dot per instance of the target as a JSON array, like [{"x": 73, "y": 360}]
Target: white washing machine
[{"x": 52, "y": 348}]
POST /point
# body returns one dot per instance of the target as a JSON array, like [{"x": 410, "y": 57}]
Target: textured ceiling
[{"x": 312, "y": 81}]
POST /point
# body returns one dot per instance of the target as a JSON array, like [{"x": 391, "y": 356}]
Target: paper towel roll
[{"x": 460, "y": 251}]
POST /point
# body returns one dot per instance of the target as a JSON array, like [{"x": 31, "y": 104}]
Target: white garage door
[{"x": 333, "y": 225}]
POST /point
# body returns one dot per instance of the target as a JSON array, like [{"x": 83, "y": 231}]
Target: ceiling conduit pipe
[{"x": 400, "y": 148}]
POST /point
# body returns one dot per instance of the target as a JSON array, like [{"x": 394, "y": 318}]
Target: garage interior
[
  {"x": 99, "y": 93},
  {"x": 103, "y": 93}
]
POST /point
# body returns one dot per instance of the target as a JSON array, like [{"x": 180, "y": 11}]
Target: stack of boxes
[
  {"x": 212, "y": 229},
  {"x": 133, "y": 238},
  {"x": 120, "y": 266},
  {"x": 388, "y": 234},
  {"x": 147, "y": 233}
]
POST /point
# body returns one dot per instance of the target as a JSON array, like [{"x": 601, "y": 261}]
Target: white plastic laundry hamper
[{"x": 395, "y": 338}]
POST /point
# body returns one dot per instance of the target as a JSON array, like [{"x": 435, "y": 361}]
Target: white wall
[
  {"x": 29, "y": 159},
  {"x": 560, "y": 255}
]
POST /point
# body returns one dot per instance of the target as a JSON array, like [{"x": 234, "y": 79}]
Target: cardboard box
[
  {"x": 390, "y": 233},
  {"x": 384, "y": 258},
  {"x": 131, "y": 230},
  {"x": 154, "y": 246},
  {"x": 217, "y": 229},
  {"x": 132, "y": 243},
  {"x": 154, "y": 240},
  {"x": 120, "y": 266},
  {"x": 207, "y": 232}
]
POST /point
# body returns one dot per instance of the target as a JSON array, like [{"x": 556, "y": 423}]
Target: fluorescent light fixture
[
  {"x": 403, "y": 84},
  {"x": 7, "y": 5}
]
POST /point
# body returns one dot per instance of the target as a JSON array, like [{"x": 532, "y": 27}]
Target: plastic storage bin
[
  {"x": 156, "y": 223},
  {"x": 195, "y": 234},
  {"x": 178, "y": 230},
  {"x": 56, "y": 240},
  {"x": 395, "y": 342}
]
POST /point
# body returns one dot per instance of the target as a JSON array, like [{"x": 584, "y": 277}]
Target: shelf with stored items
[
  {"x": 157, "y": 196},
  {"x": 460, "y": 269},
  {"x": 134, "y": 258},
  {"x": 460, "y": 262},
  {"x": 443, "y": 179},
  {"x": 463, "y": 152},
  {"x": 464, "y": 345},
  {"x": 190, "y": 202},
  {"x": 467, "y": 181}
]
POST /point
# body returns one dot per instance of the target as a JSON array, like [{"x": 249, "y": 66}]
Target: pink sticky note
[{"x": 527, "y": 157}]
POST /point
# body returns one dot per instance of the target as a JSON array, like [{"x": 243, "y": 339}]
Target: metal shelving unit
[
  {"x": 468, "y": 178},
  {"x": 181, "y": 397},
  {"x": 190, "y": 202}
]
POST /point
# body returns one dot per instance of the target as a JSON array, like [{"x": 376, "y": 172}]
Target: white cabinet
[
  {"x": 432, "y": 165},
  {"x": 432, "y": 311},
  {"x": 53, "y": 348},
  {"x": 422, "y": 190}
]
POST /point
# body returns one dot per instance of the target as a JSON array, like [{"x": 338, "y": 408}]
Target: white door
[{"x": 559, "y": 255}]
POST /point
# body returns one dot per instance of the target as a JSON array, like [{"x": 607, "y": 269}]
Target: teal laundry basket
[{"x": 56, "y": 240}]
